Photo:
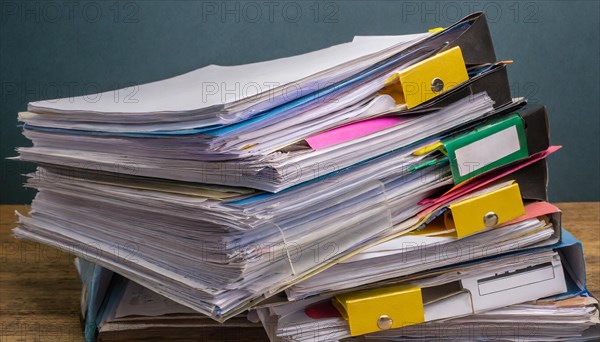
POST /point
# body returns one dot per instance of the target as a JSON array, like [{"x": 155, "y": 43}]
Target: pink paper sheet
[
  {"x": 534, "y": 209},
  {"x": 351, "y": 131}
]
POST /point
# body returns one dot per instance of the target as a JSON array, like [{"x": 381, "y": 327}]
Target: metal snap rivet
[
  {"x": 384, "y": 322},
  {"x": 437, "y": 85},
  {"x": 490, "y": 219}
]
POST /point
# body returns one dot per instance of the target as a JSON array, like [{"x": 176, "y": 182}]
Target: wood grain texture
[
  {"x": 39, "y": 289},
  {"x": 583, "y": 221}
]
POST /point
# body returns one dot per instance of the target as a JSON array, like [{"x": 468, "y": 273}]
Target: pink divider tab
[
  {"x": 485, "y": 179},
  {"x": 533, "y": 210},
  {"x": 351, "y": 131}
]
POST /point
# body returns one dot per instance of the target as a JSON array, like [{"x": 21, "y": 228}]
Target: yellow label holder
[
  {"x": 488, "y": 210},
  {"x": 379, "y": 309},
  {"x": 427, "y": 79}
]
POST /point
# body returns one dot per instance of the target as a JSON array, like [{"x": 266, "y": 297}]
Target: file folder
[
  {"x": 96, "y": 283},
  {"x": 574, "y": 319},
  {"x": 493, "y": 82},
  {"x": 531, "y": 327},
  {"x": 435, "y": 241},
  {"x": 487, "y": 210},
  {"x": 427, "y": 79},
  {"x": 403, "y": 302},
  {"x": 215, "y": 154},
  {"x": 499, "y": 142},
  {"x": 533, "y": 320},
  {"x": 470, "y": 33},
  {"x": 491, "y": 79},
  {"x": 125, "y": 311},
  {"x": 471, "y": 30},
  {"x": 476, "y": 43},
  {"x": 251, "y": 203},
  {"x": 401, "y": 184},
  {"x": 471, "y": 295},
  {"x": 528, "y": 184},
  {"x": 290, "y": 270}
]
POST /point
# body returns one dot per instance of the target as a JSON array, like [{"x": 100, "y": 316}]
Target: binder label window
[{"x": 488, "y": 147}]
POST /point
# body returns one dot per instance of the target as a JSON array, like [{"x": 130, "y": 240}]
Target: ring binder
[{"x": 427, "y": 79}]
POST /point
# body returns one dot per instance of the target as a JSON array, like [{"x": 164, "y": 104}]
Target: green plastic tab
[{"x": 487, "y": 147}]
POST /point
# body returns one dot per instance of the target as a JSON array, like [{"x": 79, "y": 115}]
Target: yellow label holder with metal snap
[
  {"x": 378, "y": 309},
  {"x": 488, "y": 210},
  {"x": 427, "y": 79}
]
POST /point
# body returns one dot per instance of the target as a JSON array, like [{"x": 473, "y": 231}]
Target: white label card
[{"x": 483, "y": 152}]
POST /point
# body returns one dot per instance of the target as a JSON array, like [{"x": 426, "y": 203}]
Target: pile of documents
[{"x": 389, "y": 187}]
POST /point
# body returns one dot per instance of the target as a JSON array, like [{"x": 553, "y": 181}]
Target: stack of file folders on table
[{"x": 389, "y": 188}]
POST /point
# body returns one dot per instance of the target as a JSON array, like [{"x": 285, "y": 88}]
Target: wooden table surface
[{"x": 39, "y": 289}]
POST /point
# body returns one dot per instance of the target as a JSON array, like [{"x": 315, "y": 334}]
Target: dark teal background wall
[{"x": 52, "y": 49}]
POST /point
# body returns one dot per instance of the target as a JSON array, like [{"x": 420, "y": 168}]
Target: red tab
[{"x": 322, "y": 310}]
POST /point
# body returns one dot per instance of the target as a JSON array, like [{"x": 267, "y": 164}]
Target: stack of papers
[
  {"x": 454, "y": 311},
  {"x": 178, "y": 129},
  {"x": 370, "y": 186},
  {"x": 415, "y": 253},
  {"x": 116, "y": 309},
  {"x": 135, "y": 312}
]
